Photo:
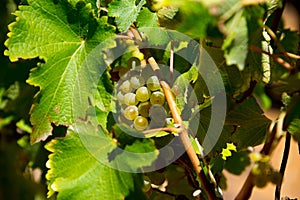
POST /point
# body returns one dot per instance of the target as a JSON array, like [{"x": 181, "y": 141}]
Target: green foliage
[
  {"x": 71, "y": 159},
  {"x": 77, "y": 67},
  {"x": 251, "y": 124},
  {"x": 125, "y": 12},
  {"x": 64, "y": 44}
]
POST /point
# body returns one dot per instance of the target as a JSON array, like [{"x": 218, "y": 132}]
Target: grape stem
[
  {"x": 167, "y": 129},
  {"x": 207, "y": 186}
]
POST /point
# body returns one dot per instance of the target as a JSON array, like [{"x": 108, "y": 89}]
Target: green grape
[
  {"x": 125, "y": 87},
  {"x": 276, "y": 177},
  {"x": 142, "y": 94},
  {"x": 144, "y": 109},
  {"x": 157, "y": 98},
  {"x": 130, "y": 99},
  {"x": 140, "y": 123},
  {"x": 153, "y": 83},
  {"x": 137, "y": 81},
  {"x": 256, "y": 169},
  {"x": 131, "y": 112},
  {"x": 158, "y": 116},
  {"x": 120, "y": 97},
  {"x": 255, "y": 156},
  {"x": 260, "y": 181}
]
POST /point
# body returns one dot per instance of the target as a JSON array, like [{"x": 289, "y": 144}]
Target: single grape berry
[
  {"x": 142, "y": 94},
  {"x": 137, "y": 81},
  {"x": 140, "y": 123},
  {"x": 144, "y": 108},
  {"x": 130, "y": 99},
  {"x": 157, "y": 97},
  {"x": 125, "y": 87},
  {"x": 131, "y": 112},
  {"x": 153, "y": 83},
  {"x": 158, "y": 116}
]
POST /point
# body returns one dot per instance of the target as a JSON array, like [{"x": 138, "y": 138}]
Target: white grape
[
  {"x": 130, "y": 99},
  {"x": 137, "y": 81},
  {"x": 125, "y": 87},
  {"x": 153, "y": 83},
  {"x": 157, "y": 97},
  {"x": 140, "y": 123},
  {"x": 142, "y": 94},
  {"x": 131, "y": 112}
]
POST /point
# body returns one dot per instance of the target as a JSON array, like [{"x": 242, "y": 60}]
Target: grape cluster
[
  {"x": 141, "y": 101},
  {"x": 262, "y": 171}
]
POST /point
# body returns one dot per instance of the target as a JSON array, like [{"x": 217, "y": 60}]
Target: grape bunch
[
  {"x": 141, "y": 101},
  {"x": 262, "y": 171}
]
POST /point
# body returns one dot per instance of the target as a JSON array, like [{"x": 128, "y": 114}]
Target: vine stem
[
  {"x": 283, "y": 163},
  {"x": 277, "y": 59},
  {"x": 206, "y": 185},
  {"x": 168, "y": 129}
]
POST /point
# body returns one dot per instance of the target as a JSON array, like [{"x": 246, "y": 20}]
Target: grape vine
[{"x": 135, "y": 99}]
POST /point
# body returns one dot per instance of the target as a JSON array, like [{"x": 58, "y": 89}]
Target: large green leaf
[
  {"x": 94, "y": 171},
  {"x": 125, "y": 12},
  {"x": 251, "y": 125},
  {"x": 62, "y": 35}
]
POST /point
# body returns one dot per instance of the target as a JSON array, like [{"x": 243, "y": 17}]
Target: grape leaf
[
  {"x": 188, "y": 12},
  {"x": 182, "y": 83},
  {"x": 236, "y": 43},
  {"x": 62, "y": 36},
  {"x": 75, "y": 173},
  {"x": 250, "y": 122},
  {"x": 237, "y": 163},
  {"x": 147, "y": 23},
  {"x": 125, "y": 12}
]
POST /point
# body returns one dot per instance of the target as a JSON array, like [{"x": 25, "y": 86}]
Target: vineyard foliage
[{"x": 61, "y": 111}]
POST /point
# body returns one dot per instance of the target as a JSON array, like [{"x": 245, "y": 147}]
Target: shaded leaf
[
  {"x": 251, "y": 124},
  {"x": 237, "y": 162}
]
